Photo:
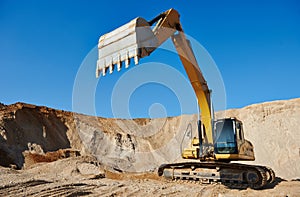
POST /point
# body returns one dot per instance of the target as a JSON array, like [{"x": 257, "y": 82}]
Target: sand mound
[{"x": 143, "y": 144}]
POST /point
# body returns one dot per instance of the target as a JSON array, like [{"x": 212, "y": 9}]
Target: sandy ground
[{"x": 67, "y": 177}]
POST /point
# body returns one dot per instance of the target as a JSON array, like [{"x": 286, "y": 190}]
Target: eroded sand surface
[{"x": 63, "y": 178}]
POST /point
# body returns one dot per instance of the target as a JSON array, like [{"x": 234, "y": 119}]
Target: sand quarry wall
[{"x": 143, "y": 144}]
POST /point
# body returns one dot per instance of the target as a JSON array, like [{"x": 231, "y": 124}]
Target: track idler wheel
[{"x": 256, "y": 178}]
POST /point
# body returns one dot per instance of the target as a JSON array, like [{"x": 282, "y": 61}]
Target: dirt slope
[
  {"x": 28, "y": 127},
  {"x": 143, "y": 144}
]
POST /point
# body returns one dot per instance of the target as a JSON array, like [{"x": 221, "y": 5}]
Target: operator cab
[{"x": 227, "y": 136}]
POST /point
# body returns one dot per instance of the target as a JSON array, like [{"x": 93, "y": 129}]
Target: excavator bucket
[{"x": 132, "y": 40}]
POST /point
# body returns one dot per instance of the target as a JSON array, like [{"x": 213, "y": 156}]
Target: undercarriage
[{"x": 234, "y": 175}]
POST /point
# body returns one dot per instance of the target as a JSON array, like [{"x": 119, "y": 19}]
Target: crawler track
[{"x": 232, "y": 175}]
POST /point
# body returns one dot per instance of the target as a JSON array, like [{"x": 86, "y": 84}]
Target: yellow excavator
[{"x": 219, "y": 141}]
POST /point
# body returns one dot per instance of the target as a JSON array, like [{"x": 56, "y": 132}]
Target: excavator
[{"x": 219, "y": 141}]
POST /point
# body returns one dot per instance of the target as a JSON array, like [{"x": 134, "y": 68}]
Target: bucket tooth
[
  {"x": 127, "y": 62},
  {"x": 111, "y": 69},
  {"x": 98, "y": 70},
  {"x": 103, "y": 72},
  {"x": 136, "y": 60},
  {"x": 119, "y": 65},
  {"x": 97, "y": 73}
]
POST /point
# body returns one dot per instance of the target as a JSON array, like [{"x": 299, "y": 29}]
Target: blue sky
[{"x": 255, "y": 45}]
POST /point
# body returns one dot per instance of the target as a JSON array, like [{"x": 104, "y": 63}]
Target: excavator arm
[
  {"x": 198, "y": 83},
  {"x": 140, "y": 38}
]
